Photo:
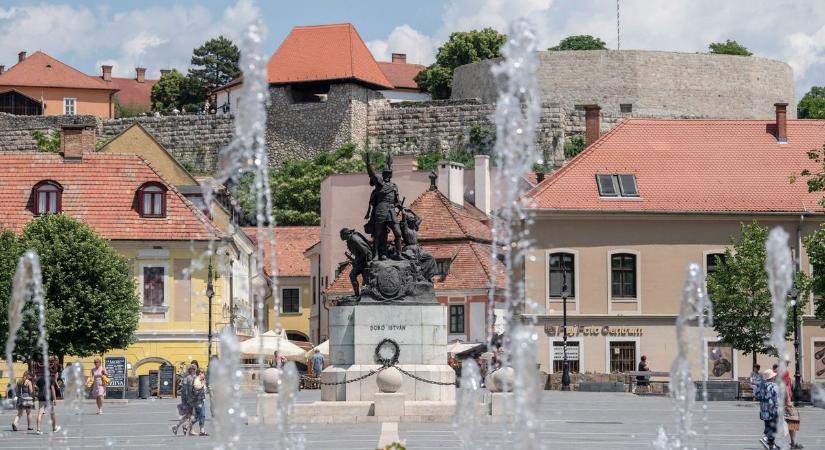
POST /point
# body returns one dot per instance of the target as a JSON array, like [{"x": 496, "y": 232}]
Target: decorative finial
[{"x": 433, "y": 179}]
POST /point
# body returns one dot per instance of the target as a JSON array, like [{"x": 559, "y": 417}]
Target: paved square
[{"x": 574, "y": 420}]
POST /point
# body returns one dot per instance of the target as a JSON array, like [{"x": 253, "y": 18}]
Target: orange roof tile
[
  {"x": 325, "y": 53},
  {"x": 401, "y": 75},
  {"x": 130, "y": 92},
  {"x": 442, "y": 219},
  {"x": 42, "y": 70},
  {"x": 290, "y": 243},
  {"x": 101, "y": 191},
  {"x": 695, "y": 166}
]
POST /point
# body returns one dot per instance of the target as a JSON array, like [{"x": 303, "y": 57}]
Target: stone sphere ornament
[
  {"x": 503, "y": 379},
  {"x": 489, "y": 384},
  {"x": 270, "y": 379},
  {"x": 389, "y": 380}
]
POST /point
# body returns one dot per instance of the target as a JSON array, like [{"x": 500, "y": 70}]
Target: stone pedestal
[
  {"x": 499, "y": 403},
  {"x": 267, "y": 408},
  {"x": 389, "y": 404},
  {"x": 419, "y": 329}
]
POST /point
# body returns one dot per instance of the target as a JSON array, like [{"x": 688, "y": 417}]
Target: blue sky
[{"x": 159, "y": 34}]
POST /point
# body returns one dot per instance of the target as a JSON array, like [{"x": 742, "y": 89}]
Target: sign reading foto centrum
[{"x": 592, "y": 330}]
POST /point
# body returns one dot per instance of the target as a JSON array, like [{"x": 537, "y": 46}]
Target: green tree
[
  {"x": 296, "y": 186},
  {"x": 167, "y": 91},
  {"x": 812, "y": 105},
  {"x": 580, "y": 42},
  {"x": 574, "y": 145},
  {"x": 129, "y": 109},
  {"x": 739, "y": 292},
  {"x": 461, "y": 48},
  {"x": 728, "y": 47},
  {"x": 815, "y": 248},
  {"x": 46, "y": 141},
  {"x": 214, "y": 64},
  {"x": 91, "y": 299},
  {"x": 9, "y": 253}
]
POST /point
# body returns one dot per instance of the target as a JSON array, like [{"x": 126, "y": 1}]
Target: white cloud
[
  {"x": 155, "y": 37},
  {"x": 404, "y": 39}
]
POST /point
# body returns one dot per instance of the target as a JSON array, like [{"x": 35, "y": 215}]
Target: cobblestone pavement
[{"x": 567, "y": 421}]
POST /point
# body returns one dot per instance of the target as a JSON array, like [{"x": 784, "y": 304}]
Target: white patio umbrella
[
  {"x": 458, "y": 347},
  {"x": 266, "y": 344},
  {"x": 323, "y": 347}
]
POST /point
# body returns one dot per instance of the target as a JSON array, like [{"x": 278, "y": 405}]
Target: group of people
[
  {"x": 766, "y": 390},
  {"x": 31, "y": 387},
  {"x": 192, "y": 407}
]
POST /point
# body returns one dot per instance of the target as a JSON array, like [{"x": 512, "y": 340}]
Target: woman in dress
[
  {"x": 98, "y": 388},
  {"x": 25, "y": 401}
]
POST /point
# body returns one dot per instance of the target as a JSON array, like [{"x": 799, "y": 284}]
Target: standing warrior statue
[
  {"x": 410, "y": 222},
  {"x": 359, "y": 254},
  {"x": 384, "y": 199}
]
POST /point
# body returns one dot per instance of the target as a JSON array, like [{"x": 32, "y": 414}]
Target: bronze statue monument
[{"x": 402, "y": 271}]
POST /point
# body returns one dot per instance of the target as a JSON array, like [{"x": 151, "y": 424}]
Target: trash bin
[{"x": 143, "y": 386}]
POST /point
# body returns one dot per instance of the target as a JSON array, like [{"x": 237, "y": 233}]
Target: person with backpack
[
  {"x": 199, "y": 401},
  {"x": 768, "y": 396},
  {"x": 25, "y": 401},
  {"x": 186, "y": 408}
]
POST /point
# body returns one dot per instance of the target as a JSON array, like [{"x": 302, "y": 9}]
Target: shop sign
[
  {"x": 591, "y": 330},
  {"x": 558, "y": 352}
]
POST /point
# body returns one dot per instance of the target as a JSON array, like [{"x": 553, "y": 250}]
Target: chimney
[
  {"x": 164, "y": 72},
  {"x": 107, "y": 72},
  {"x": 75, "y": 140},
  {"x": 591, "y": 124},
  {"x": 2, "y": 69},
  {"x": 781, "y": 122},
  {"x": 140, "y": 74},
  {"x": 539, "y": 177},
  {"x": 451, "y": 181},
  {"x": 482, "y": 183},
  {"x": 21, "y": 56},
  {"x": 400, "y": 58}
]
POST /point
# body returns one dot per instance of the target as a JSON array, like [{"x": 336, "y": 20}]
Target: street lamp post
[
  {"x": 210, "y": 292},
  {"x": 797, "y": 385},
  {"x": 565, "y": 375},
  {"x": 231, "y": 299}
]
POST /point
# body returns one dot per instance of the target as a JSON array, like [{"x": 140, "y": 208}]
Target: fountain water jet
[
  {"x": 516, "y": 118},
  {"x": 468, "y": 398},
  {"x": 28, "y": 286},
  {"x": 695, "y": 313},
  {"x": 225, "y": 383},
  {"x": 780, "y": 268}
]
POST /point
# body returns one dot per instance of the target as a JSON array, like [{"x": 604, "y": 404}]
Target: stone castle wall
[
  {"x": 655, "y": 84},
  {"x": 191, "y": 139}
]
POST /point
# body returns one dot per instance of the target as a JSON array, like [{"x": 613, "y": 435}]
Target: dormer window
[
  {"x": 47, "y": 198},
  {"x": 152, "y": 200},
  {"x": 617, "y": 185}
]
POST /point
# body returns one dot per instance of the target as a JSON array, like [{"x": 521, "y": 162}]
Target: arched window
[
  {"x": 47, "y": 198},
  {"x": 152, "y": 200}
]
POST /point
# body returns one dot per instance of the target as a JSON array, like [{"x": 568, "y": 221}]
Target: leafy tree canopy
[
  {"x": 91, "y": 298},
  {"x": 580, "y": 42},
  {"x": 461, "y": 48},
  {"x": 47, "y": 141},
  {"x": 815, "y": 247},
  {"x": 812, "y": 105},
  {"x": 739, "y": 292},
  {"x": 167, "y": 91},
  {"x": 215, "y": 63},
  {"x": 729, "y": 47}
]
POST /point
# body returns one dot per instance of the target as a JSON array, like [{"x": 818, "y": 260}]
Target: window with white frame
[
  {"x": 573, "y": 356},
  {"x": 290, "y": 300},
  {"x": 561, "y": 273},
  {"x": 623, "y": 275},
  {"x": 69, "y": 106},
  {"x": 456, "y": 319}
]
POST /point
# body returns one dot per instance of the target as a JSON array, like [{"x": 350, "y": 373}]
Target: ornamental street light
[
  {"x": 797, "y": 385},
  {"x": 210, "y": 292},
  {"x": 565, "y": 375}
]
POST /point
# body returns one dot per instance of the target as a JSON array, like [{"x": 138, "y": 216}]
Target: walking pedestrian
[
  {"x": 185, "y": 407},
  {"x": 199, "y": 401},
  {"x": 755, "y": 378},
  {"x": 791, "y": 413},
  {"x": 768, "y": 408},
  {"x": 46, "y": 404},
  {"x": 100, "y": 378},
  {"x": 25, "y": 401},
  {"x": 317, "y": 363}
]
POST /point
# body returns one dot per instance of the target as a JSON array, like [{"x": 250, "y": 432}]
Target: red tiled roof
[
  {"x": 692, "y": 166},
  {"x": 401, "y": 75},
  {"x": 290, "y": 243},
  {"x": 101, "y": 191},
  {"x": 42, "y": 70},
  {"x": 322, "y": 53},
  {"x": 442, "y": 219},
  {"x": 130, "y": 92}
]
